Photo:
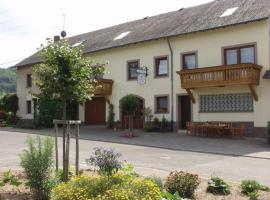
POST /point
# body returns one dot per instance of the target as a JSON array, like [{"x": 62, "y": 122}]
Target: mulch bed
[{"x": 9, "y": 192}]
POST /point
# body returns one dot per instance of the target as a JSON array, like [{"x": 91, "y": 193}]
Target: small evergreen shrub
[
  {"x": 107, "y": 161},
  {"x": 218, "y": 186},
  {"x": 128, "y": 169},
  {"x": 9, "y": 177},
  {"x": 37, "y": 162},
  {"x": 251, "y": 188},
  {"x": 183, "y": 183}
]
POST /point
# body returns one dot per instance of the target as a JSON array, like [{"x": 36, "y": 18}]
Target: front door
[
  {"x": 184, "y": 111},
  {"x": 95, "y": 111}
]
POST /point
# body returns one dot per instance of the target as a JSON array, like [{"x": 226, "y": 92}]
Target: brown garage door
[{"x": 95, "y": 111}]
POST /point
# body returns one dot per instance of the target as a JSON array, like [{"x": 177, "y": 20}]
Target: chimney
[{"x": 56, "y": 38}]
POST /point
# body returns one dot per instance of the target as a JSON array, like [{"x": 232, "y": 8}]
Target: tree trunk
[
  {"x": 77, "y": 150},
  {"x": 129, "y": 125},
  {"x": 65, "y": 173}
]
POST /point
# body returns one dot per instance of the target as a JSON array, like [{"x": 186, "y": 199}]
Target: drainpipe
[{"x": 172, "y": 96}]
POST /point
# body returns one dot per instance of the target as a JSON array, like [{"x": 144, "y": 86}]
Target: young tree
[
  {"x": 129, "y": 104},
  {"x": 66, "y": 75}
]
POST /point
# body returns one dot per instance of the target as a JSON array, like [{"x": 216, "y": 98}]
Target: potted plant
[{"x": 129, "y": 104}]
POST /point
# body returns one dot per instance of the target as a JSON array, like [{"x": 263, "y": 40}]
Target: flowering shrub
[
  {"x": 183, "y": 183},
  {"x": 107, "y": 161},
  {"x": 140, "y": 189},
  {"x": 115, "y": 187}
]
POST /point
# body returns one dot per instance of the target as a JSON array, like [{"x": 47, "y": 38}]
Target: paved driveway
[{"x": 160, "y": 161}]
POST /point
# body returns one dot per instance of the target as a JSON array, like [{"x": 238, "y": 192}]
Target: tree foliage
[
  {"x": 7, "y": 80},
  {"x": 10, "y": 103},
  {"x": 65, "y": 74},
  {"x": 129, "y": 104}
]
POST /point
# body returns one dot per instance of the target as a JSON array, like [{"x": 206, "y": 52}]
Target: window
[
  {"x": 229, "y": 12},
  {"x": 29, "y": 107},
  {"x": 239, "y": 102},
  {"x": 161, "y": 66},
  {"x": 189, "y": 60},
  {"x": 133, "y": 66},
  {"x": 29, "y": 80},
  {"x": 162, "y": 104},
  {"x": 239, "y": 55}
]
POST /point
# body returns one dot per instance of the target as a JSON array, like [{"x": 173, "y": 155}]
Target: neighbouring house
[{"x": 205, "y": 63}]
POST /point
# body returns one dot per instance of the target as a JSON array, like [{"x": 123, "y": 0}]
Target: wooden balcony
[
  {"x": 220, "y": 76},
  {"x": 106, "y": 87}
]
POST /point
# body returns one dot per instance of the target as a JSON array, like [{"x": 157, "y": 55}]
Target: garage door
[{"x": 95, "y": 111}]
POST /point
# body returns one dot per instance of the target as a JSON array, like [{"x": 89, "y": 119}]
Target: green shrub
[
  {"x": 37, "y": 162},
  {"x": 107, "y": 161},
  {"x": 253, "y": 195},
  {"x": 110, "y": 120},
  {"x": 10, "y": 178},
  {"x": 128, "y": 169},
  {"x": 218, "y": 186},
  {"x": 183, "y": 183},
  {"x": 47, "y": 110},
  {"x": 169, "y": 196},
  {"x": 157, "y": 180},
  {"x": 11, "y": 118},
  {"x": 10, "y": 102},
  {"x": 251, "y": 188}
]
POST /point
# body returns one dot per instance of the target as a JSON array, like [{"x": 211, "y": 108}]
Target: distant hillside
[{"x": 7, "y": 80}]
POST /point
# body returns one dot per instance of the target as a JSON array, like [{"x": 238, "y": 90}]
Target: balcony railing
[
  {"x": 219, "y": 76},
  {"x": 240, "y": 74},
  {"x": 106, "y": 87}
]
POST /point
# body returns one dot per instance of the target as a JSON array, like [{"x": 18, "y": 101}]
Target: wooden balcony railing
[
  {"x": 227, "y": 75},
  {"x": 106, "y": 87}
]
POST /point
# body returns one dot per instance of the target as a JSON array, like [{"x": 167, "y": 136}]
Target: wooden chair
[
  {"x": 190, "y": 128},
  {"x": 238, "y": 131}
]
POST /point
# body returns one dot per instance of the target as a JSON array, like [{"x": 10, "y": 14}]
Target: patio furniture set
[{"x": 216, "y": 129}]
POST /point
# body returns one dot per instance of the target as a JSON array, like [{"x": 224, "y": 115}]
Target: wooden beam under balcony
[
  {"x": 220, "y": 76},
  {"x": 105, "y": 88}
]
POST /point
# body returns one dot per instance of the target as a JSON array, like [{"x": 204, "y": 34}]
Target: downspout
[{"x": 172, "y": 86}]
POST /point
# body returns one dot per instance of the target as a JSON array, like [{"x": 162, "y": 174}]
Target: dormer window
[
  {"x": 229, "y": 12},
  {"x": 121, "y": 35}
]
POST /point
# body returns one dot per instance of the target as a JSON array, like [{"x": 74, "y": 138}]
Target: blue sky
[{"x": 24, "y": 25}]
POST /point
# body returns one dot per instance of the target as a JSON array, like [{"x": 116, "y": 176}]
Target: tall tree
[{"x": 66, "y": 75}]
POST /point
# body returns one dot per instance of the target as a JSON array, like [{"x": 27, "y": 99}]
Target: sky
[{"x": 25, "y": 25}]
